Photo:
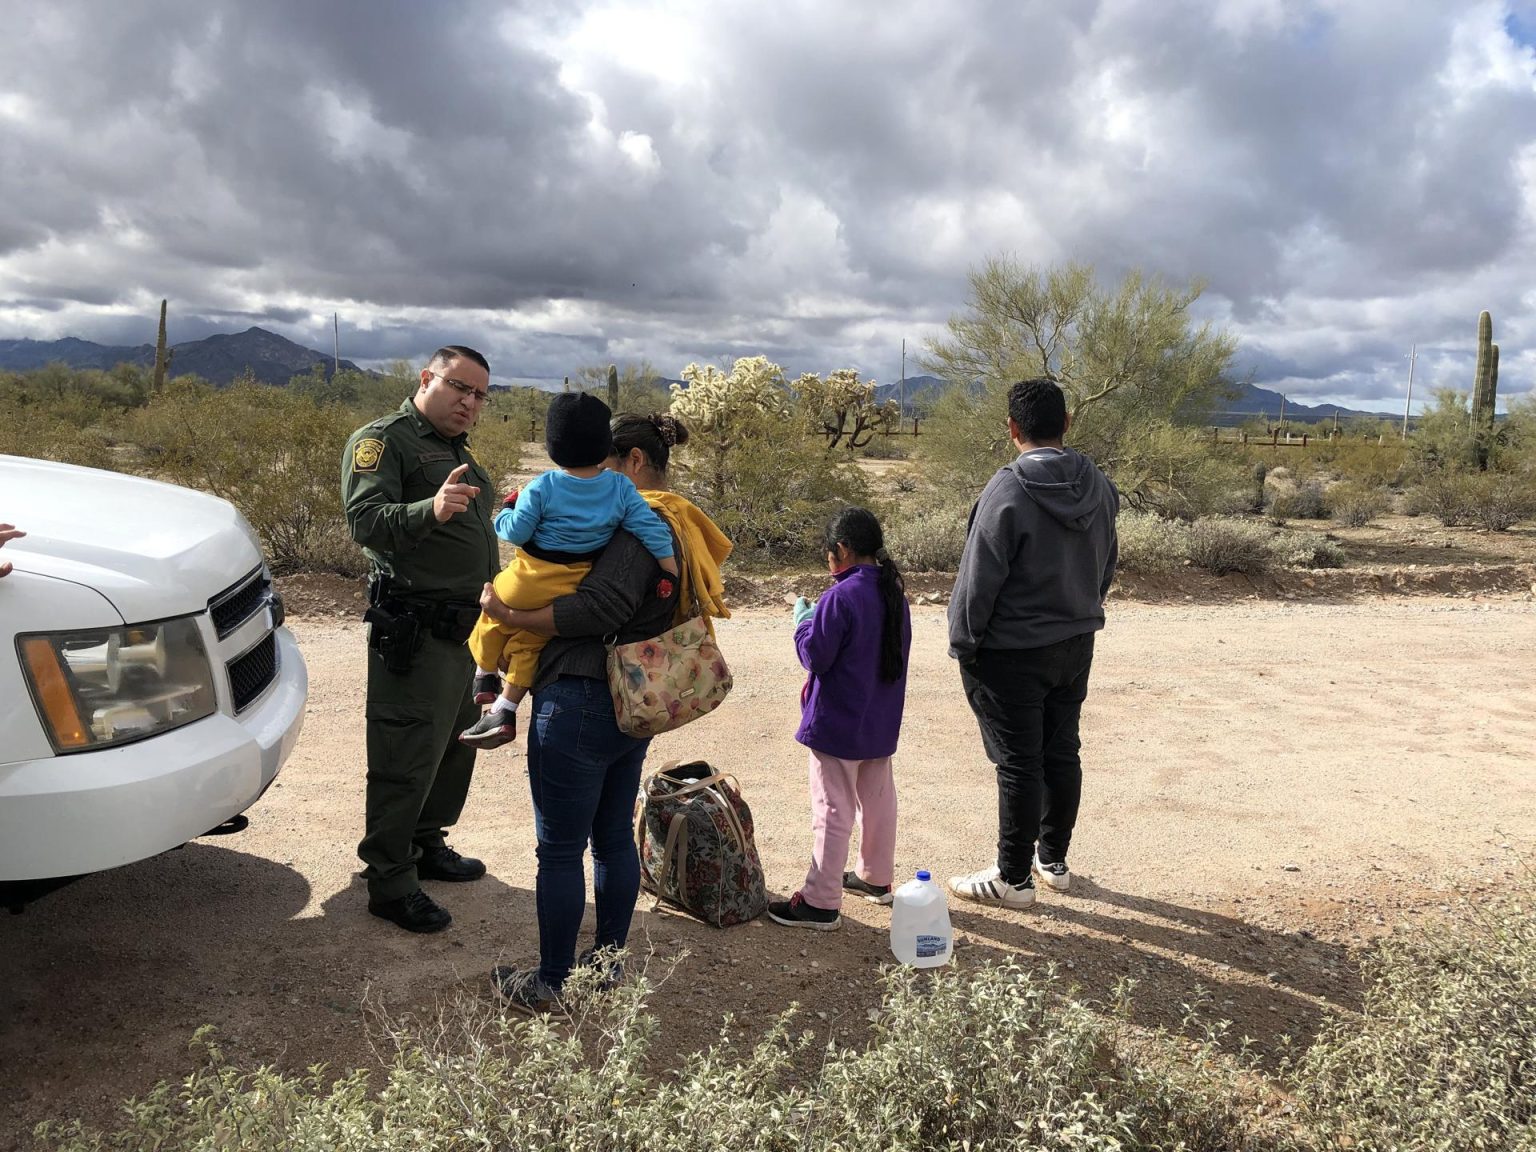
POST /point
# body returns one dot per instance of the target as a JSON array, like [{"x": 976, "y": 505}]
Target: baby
[{"x": 560, "y": 522}]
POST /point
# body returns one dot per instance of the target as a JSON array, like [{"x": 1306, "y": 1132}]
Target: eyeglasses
[{"x": 475, "y": 395}]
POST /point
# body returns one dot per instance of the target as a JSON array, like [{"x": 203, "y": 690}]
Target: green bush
[
  {"x": 1151, "y": 545},
  {"x": 1355, "y": 504},
  {"x": 48, "y": 420},
  {"x": 1500, "y": 501},
  {"x": 776, "y": 491},
  {"x": 1223, "y": 544},
  {"x": 274, "y": 455},
  {"x": 1494, "y": 500},
  {"x": 1304, "y": 502},
  {"x": 1307, "y": 550},
  {"x": 1444, "y": 1054},
  {"x": 991, "y": 1058},
  {"x": 925, "y": 533}
]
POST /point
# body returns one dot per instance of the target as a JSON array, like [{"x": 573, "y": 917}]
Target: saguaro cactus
[
  {"x": 613, "y": 388},
  {"x": 162, "y": 354},
  {"x": 1485, "y": 388}
]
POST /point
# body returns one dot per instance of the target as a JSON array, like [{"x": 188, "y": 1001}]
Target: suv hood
[{"x": 152, "y": 549}]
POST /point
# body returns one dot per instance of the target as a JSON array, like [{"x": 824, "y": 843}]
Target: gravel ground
[{"x": 1269, "y": 786}]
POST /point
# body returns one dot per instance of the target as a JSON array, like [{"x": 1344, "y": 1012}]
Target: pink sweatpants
[{"x": 845, "y": 792}]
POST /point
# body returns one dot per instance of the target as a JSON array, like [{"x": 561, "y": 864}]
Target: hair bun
[{"x": 666, "y": 428}]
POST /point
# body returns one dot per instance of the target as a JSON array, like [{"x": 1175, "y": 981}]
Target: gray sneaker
[
  {"x": 523, "y": 991},
  {"x": 495, "y": 728}
]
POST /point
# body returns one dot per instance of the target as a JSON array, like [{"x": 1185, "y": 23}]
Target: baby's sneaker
[
  {"x": 487, "y": 688},
  {"x": 495, "y": 728}
]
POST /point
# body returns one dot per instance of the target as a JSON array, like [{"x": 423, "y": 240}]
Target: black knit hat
[{"x": 576, "y": 431}]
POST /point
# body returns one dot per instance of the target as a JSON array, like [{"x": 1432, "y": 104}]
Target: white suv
[{"x": 148, "y": 691}]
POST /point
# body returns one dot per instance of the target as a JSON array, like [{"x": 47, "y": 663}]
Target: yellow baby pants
[{"x": 526, "y": 583}]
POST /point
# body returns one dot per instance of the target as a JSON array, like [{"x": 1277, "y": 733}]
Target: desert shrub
[
  {"x": 1499, "y": 501},
  {"x": 991, "y": 1058},
  {"x": 1354, "y": 504},
  {"x": 1364, "y": 461},
  {"x": 884, "y": 447},
  {"x": 1443, "y": 494},
  {"x": 1224, "y": 544},
  {"x": 1495, "y": 500},
  {"x": 1307, "y": 550},
  {"x": 49, "y": 420},
  {"x": 774, "y": 492},
  {"x": 1151, "y": 545},
  {"x": 1304, "y": 502},
  {"x": 274, "y": 455},
  {"x": 925, "y": 533},
  {"x": 1444, "y": 1055}
]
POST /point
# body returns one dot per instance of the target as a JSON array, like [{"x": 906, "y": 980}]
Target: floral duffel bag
[{"x": 694, "y": 832}]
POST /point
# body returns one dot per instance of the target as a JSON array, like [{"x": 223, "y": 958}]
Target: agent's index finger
[{"x": 457, "y": 474}]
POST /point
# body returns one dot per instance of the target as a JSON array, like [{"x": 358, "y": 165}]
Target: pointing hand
[
  {"x": 454, "y": 496},
  {"x": 8, "y": 532}
]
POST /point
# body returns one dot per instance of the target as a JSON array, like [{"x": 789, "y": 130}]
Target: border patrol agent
[{"x": 420, "y": 505}]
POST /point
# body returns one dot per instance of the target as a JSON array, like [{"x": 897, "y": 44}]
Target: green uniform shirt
[{"x": 390, "y": 472}]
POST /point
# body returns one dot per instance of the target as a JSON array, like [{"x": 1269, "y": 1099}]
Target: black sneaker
[
  {"x": 796, "y": 913},
  {"x": 415, "y": 912},
  {"x": 495, "y": 728},
  {"x": 874, "y": 893},
  {"x": 487, "y": 688},
  {"x": 443, "y": 863},
  {"x": 523, "y": 991}
]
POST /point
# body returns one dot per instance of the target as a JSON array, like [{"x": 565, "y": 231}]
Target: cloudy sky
[{"x": 568, "y": 183}]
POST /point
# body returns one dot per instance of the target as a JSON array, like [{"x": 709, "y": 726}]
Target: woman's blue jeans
[{"x": 584, "y": 774}]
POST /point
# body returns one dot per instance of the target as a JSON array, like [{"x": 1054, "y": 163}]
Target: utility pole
[
  {"x": 336, "y": 334},
  {"x": 1282, "y": 413},
  {"x": 901, "y": 404},
  {"x": 1412, "y": 356}
]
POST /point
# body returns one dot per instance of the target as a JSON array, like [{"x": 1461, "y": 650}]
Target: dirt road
[{"x": 1268, "y": 785}]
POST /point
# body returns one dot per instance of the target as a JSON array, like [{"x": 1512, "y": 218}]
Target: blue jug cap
[{"x": 922, "y": 874}]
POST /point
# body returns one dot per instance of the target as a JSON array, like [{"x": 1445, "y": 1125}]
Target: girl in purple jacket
[{"x": 854, "y": 642}]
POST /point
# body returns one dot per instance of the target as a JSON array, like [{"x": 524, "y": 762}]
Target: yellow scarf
[{"x": 704, "y": 548}]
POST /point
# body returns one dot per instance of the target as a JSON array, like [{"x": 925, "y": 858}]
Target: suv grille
[
  {"x": 234, "y": 606},
  {"x": 250, "y": 673}
]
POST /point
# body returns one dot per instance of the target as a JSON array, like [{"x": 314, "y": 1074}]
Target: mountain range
[
  {"x": 1250, "y": 401},
  {"x": 273, "y": 359},
  {"x": 219, "y": 359}
]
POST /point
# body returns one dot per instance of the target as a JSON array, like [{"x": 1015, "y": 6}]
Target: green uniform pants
[{"x": 418, "y": 772}]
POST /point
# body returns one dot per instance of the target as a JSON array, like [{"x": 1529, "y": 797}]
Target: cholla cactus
[
  {"x": 842, "y": 407},
  {"x": 712, "y": 400},
  {"x": 718, "y": 406}
]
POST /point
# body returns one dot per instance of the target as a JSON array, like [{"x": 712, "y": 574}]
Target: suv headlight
[{"x": 109, "y": 686}]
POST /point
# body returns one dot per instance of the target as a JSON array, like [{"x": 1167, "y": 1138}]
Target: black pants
[{"x": 1027, "y": 702}]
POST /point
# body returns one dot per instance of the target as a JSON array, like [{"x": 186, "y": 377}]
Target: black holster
[{"x": 394, "y": 633}]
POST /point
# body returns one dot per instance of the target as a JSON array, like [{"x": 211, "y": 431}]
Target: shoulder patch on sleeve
[{"x": 366, "y": 455}]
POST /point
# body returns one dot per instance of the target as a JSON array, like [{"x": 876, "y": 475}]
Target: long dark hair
[
  {"x": 655, "y": 436},
  {"x": 859, "y": 531}
]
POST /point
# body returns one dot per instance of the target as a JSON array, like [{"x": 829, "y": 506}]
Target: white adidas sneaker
[
  {"x": 1057, "y": 877},
  {"x": 989, "y": 887}
]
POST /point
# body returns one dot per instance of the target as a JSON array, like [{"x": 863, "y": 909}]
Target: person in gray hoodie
[{"x": 1039, "y": 556}]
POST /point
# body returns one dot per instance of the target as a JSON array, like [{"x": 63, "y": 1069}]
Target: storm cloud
[{"x": 573, "y": 184}]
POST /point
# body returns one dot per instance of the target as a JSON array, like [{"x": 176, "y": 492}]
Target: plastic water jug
[{"x": 920, "y": 932}]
